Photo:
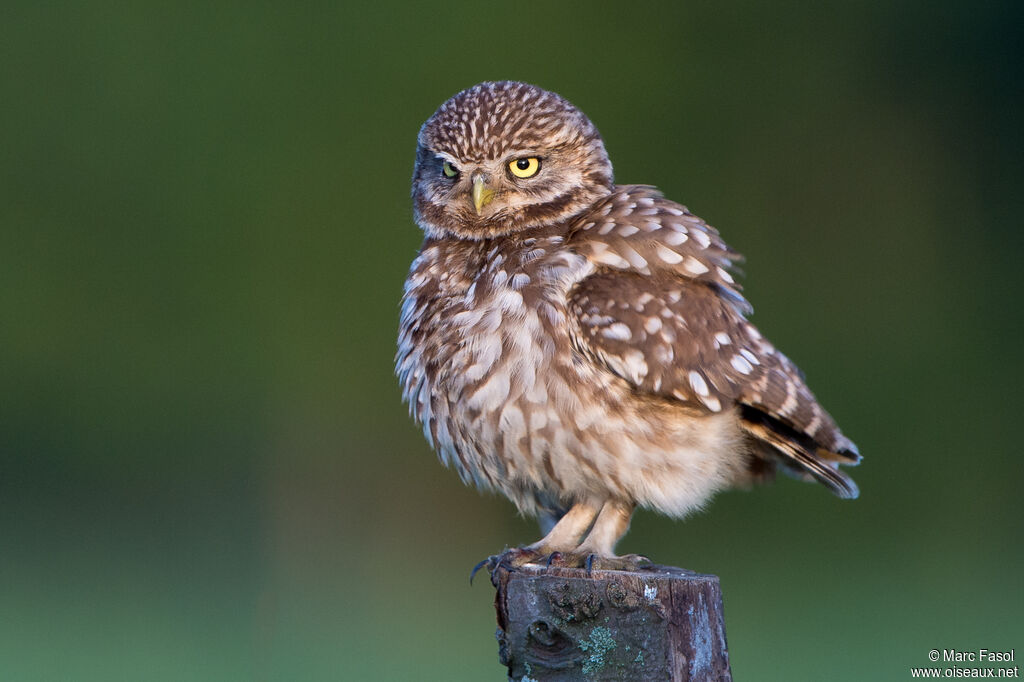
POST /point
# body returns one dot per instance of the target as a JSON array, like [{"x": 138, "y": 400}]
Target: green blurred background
[{"x": 206, "y": 472}]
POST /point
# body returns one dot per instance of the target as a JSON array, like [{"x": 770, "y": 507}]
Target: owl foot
[
  {"x": 627, "y": 562},
  {"x": 513, "y": 558},
  {"x": 592, "y": 561},
  {"x": 520, "y": 556}
]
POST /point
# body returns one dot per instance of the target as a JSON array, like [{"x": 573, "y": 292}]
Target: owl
[{"x": 581, "y": 346}]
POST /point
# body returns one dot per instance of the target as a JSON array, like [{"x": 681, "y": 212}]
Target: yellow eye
[
  {"x": 525, "y": 168},
  {"x": 449, "y": 170}
]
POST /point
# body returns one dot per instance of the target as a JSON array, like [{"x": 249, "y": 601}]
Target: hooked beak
[{"x": 481, "y": 194}]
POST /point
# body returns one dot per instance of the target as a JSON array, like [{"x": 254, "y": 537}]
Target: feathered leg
[
  {"x": 597, "y": 550},
  {"x": 569, "y": 531}
]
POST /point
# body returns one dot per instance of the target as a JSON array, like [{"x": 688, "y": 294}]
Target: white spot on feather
[
  {"x": 698, "y": 384},
  {"x": 695, "y": 266},
  {"x": 668, "y": 255},
  {"x": 790, "y": 403},
  {"x": 712, "y": 402},
  {"x": 604, "y": 255},
  {"x": 636, "y": 365},
  {"x": 812, "y": 427},
  {"x": 634, "y": 258},
  {"x": 740, "y": 364},
  {"x": 652, "y": 325},
  {"x": 674, "y": 238},
  {"x": 618, "y": 331}
]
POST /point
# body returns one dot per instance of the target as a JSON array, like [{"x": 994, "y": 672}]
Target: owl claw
[
  {"x": 476, "y": 569},
  {"x": 512, "y": 558},
  {"x": 520, "y": 556}
]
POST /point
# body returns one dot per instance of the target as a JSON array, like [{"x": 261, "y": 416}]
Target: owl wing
[{"x": 663, "y": 313}]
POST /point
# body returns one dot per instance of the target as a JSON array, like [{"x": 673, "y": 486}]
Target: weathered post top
[{"x": 658, "y": 623}]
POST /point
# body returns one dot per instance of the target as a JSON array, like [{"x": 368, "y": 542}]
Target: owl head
[{"x": 502, "y": 157}]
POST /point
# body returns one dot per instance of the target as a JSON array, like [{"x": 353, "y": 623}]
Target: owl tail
[{"x": 801, "y": 453}]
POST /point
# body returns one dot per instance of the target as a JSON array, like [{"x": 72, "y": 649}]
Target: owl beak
[{"x": 481, "y": 195}]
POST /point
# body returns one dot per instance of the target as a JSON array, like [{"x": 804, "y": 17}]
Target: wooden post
[{"x": 658, "y": 623}]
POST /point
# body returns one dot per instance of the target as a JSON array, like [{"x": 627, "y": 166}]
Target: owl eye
[
  {"x": 449, "y": 170},
  {"x": 525, "y": 168}
]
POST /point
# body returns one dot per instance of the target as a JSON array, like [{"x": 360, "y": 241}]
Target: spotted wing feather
[
  {"x": 635, "y": 229},
  {"x": 680, "y": 333}
]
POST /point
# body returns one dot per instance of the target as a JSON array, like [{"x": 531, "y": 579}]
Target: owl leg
[
  {"x": 597, "y": 550},
  {"x": 611, "y": 524},
  {"x": 569, "y": 530},
  {"x": 562, "y": 538}
]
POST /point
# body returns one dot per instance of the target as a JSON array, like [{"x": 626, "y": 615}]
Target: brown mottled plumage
[{"x": 581, "y": 346}]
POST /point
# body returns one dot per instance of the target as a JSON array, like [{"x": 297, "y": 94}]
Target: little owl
[{"x": 581, "y": 346}]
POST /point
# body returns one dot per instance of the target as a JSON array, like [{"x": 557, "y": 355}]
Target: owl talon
[
  {"x": 513, "y": 558},
  {"x": 481, "y": 564}
]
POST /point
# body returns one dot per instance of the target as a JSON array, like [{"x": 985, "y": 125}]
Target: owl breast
[
  {"x": 487, "y": 365},
  {"x": 483, "y": 354}
]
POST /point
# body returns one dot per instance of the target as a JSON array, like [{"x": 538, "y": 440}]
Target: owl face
[{"x": 503, "y": 157}]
